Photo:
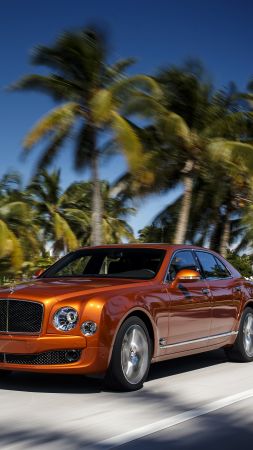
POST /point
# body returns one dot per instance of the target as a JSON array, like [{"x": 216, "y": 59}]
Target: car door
[
  {"x": 189, "y": 306},
  {"x": 225, "y": 295}
]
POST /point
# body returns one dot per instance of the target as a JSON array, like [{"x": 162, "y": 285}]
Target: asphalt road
[{"x": 200, "y": 402}]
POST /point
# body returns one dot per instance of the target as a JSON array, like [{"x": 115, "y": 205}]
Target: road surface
[{"x": 199, "y": 402}]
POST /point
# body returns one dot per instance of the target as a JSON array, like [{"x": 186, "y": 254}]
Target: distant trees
[{"x": 41, "y": 221}]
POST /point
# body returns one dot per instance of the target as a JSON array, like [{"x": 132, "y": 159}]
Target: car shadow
[
  {"x": 51, "y": 383},
  {"x": 186, "y": 364},
  {"x": 78, "y": 384}
]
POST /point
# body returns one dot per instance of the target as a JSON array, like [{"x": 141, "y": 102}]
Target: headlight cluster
[{"x": 65, "y": 319}]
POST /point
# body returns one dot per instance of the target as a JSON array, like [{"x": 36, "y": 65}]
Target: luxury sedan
[{"x": 114, "y": 310}]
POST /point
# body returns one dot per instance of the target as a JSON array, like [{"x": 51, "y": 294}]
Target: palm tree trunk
[
  {"x": 216, "y": 234},
  {"x": 184, "y": 214},
  {"x": 96, "y": 218},
  {"x": 224, "y": 243}
]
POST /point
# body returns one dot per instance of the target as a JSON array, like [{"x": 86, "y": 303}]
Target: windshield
[{"x": 109, "y": 263}]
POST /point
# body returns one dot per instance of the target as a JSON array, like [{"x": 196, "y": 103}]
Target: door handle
[
  {"x": 206, "y": 291},
  {"x": 237, "y": 288}
]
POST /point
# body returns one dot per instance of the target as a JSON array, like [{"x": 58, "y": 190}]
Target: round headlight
[
  {"x": 89, "y": 328},
  {"x": 65, "y": 319}
]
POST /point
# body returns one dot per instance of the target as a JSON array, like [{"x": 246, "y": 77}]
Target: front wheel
[
  {"x": 242, "y": 350},
  {"x": 131, "y": 356}
]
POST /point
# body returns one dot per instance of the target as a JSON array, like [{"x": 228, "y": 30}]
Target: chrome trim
[
  {"x": 194, "y": 250},
  {"x": 32, "y": 333},
  {"x": 192, "y": 341}
]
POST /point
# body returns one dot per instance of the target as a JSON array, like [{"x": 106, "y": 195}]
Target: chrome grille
[{"x": 20, "y": 316}]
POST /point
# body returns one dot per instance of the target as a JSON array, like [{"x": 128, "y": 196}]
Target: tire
[
  {"x": 131, "y": 356},
  {"x": 242, "y": 349}
]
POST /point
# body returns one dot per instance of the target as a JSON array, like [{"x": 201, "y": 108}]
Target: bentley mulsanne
[{"x": 113, "y": 310}]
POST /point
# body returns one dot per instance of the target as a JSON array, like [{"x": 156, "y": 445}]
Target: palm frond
[
  {"x": 232, "y": 152},
  {"x": 128, "y": 140},
  {"x": 137, "y": 82},
  {"x": 118, "y": 68},
  {"x": 57, "y": 119},
  {"x": 54, "y": 146},
  {"x": 100, "y": 105},
  {"x": 55, "y": 85},
  {"x": 63, "y": 232},
  {"x": 173, "y": 125},
  {"x": 10, "y": 246}
]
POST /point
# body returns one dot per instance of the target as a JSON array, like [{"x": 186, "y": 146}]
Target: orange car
[{"x": 115, "y": 309}]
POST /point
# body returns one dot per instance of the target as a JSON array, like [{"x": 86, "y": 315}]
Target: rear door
[
  {"x": 225, "y": 296},
  {"x": 189, "y": 307}
]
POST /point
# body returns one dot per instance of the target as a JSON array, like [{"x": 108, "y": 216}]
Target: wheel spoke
[
  {"x": 129, "y": 370},
  {"x": 134, "y": 354},
  {"x": 248, "y": 335}
]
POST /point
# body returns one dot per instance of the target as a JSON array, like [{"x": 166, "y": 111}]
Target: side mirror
[
  {"x": 186, "y": 276},
  {"x": 38, "y": 272}
]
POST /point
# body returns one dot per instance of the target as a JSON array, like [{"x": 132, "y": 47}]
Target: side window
[
  {"x": 181, "y": 260},
  {"x": 222, "y": 270},
  {"x": 212, "y": 267}
]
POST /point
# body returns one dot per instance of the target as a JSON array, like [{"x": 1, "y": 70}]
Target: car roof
[{"x": 148, "y": 245}]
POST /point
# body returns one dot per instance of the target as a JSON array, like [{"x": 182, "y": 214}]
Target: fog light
[
  {"x": 88, "y": 328},
  {"x": 72, "y": 355}
]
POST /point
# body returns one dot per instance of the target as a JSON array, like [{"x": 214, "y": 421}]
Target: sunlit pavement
[{"x": 67, "y": 412}]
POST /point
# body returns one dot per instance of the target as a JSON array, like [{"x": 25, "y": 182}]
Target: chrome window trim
[
  {"x": 9, "y": 333},
  {"x": 195, "y": 250},
  {"x": 192, "y": 341},
  {"x": 165, "y": 281}
]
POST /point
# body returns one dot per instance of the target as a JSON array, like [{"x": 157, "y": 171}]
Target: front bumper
[{"x": 91, "y": 360}]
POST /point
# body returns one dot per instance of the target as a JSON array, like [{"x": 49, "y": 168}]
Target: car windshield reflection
[{"x": 109, "y": 263}]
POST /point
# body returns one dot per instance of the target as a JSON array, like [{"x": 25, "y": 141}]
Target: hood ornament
[{"x": 12, "y": 288}]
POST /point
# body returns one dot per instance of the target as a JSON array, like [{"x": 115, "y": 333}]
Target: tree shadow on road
[{"x": 224, "y": 429}]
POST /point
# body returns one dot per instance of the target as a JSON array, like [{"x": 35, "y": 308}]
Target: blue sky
[{"x": 158, "y": 33}]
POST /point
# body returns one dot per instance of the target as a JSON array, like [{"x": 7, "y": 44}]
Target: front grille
[
  {"x": 40, "y": 359},
  {"x": 20, "y": 316}
]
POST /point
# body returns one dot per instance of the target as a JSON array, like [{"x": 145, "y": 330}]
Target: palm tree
[
  {"x": 204, "y": 123},
  {"x": 92, "y": 95},
  {"x": 115, "y": 212},
  {"x": 51, "y": 216},
  {"x": 18, "y": 234}
]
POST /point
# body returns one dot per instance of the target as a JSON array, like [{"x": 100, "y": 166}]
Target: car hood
[{"x": 62, "y": 288}]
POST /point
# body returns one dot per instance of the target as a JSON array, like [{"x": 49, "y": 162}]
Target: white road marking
[{"x": 160, "y": 425}]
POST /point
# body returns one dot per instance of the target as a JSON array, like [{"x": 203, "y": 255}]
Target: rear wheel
[
  {"x": 131, "y": 356},
  {"x": 242, "y": 350}
]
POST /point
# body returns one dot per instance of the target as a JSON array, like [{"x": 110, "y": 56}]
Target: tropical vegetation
[{"x": 177, "y": 132}]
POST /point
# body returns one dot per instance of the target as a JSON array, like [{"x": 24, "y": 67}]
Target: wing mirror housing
[
  {"x": 186, "y": 276},
  {"x": 38, "y": 272}
]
